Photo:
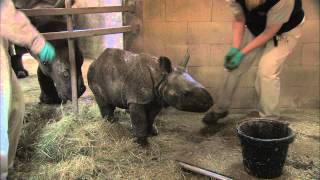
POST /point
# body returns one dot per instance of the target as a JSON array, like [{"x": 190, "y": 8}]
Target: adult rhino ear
[{"x": 165, "y": 64}]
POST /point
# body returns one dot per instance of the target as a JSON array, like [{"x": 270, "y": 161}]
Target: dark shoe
[{"x": 211, "y": 117}]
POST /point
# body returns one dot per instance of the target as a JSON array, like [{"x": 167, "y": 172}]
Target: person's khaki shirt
[{"x": 278, "y": 14}]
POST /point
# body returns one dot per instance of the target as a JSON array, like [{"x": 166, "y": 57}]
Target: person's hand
[
  {"x": 47, "y": 53},
  {"x": 235, "y": 61},
  {"x": 233, "y": 51}
]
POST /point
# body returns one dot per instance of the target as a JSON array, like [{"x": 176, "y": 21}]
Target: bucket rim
[{"x": 287, "y": 138}]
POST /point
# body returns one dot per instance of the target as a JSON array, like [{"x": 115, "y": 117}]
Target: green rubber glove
[
  {"x": 233, "y": 51},
  {"x": 47, "y": 53},
  {"x": 235, "y": 61}
]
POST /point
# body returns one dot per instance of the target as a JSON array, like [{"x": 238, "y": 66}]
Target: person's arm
[
  {"x": 16, "y": 27},
  {"x": 238, "y": 26},
  {"x": 276, "y": 17},
  {"x": 264, "y": 37},
  {"x": 260, "y": 40}
]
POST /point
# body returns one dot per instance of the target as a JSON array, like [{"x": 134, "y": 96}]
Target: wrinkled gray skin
[
  {"x": 54, "y": 78},
  {"x": 143, "y": 84},
  {"x": 16, "y": 58}
]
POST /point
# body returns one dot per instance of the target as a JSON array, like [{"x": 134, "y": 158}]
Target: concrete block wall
[{"x": 169, "y": 27}]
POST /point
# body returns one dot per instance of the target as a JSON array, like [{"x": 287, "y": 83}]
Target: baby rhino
[{"x": 144, "y": 84}]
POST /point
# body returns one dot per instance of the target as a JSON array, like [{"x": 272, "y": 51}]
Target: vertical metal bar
[{"x": 72, "y": 62}]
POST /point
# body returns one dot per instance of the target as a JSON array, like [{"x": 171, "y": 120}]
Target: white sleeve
[{"x": 16, "y": 27}]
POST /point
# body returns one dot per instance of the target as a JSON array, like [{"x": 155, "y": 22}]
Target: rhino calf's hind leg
[
  {"x": 106, "y": 110},
  {"x": 139, "y": 122}
]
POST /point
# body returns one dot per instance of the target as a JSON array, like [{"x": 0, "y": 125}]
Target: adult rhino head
[{"x": 55, "y": 77}]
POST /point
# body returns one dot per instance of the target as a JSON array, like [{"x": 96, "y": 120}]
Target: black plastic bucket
[{"x": 265, "y": 145}]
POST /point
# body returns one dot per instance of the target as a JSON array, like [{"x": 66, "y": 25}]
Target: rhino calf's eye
[{"x": 66, "y": 74}]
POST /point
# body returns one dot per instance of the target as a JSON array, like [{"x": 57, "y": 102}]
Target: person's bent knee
[{"x": 266, "y": 73}]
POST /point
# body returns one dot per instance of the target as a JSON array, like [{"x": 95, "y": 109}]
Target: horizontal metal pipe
[
  {"x": 86, "y": 33},
  {"x": 71, "y": 11},
  {"x": 203, "y": 171}
]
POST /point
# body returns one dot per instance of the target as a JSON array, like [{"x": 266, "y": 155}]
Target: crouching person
[
  {"x": 266, "y": 31},
  {"x": 15, "y": 27}
]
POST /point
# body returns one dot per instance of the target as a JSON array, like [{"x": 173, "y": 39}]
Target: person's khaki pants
[
  {"x": 267, "y": 81},
  {"x": 16, "y": 106}
]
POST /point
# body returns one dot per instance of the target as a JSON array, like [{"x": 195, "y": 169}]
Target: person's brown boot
[{"x": 212, "y": 117}]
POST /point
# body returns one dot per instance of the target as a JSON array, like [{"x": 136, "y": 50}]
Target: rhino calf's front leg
[
  {"x": 139, "y": 122},
  {"x": 152, "y": 112}
]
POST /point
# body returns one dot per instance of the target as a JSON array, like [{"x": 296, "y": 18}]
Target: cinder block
[
  {"x": 172, "y": 32},
  {"x": 299, "y": 97},
  {"x": 310, "y": 33},
  {"x": 154, "y": 47},
  {"x": 154, "y": 10},
  {"x": 218, "y": 53},
  {"x": 312, "y": 9},
  {"x": 176, "y": 53},
  {"x": 290, "y": 97},
  {"x": 316, "y": 96},
  {"x": 310, "y": 54},
  {"x": 221, "y": 11},
  {"x": 177, "y": 10},
  {"x": 309, "y": 97},
  {"x": 188, "y": 10},
  {"x": 243, "y": 98},
  {"x": 200, "y": 55},
  {"x": 200, "y": 10},
  {"x": 154, "y": 31},
  {"x": 209, "y": 76},
  {"x": 310, "y": 76},
  {"x": 291, "y": 76},
  {"x": 317, "y": 76},
  {"x": 294, "y": 59},
  {"x": 209, "y": 32},
  {"x": 300, "y": 76},
  {"x": 176, "y": 33}
]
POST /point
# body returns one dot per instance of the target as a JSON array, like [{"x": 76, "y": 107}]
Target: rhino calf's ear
[{"x": 165, "y": 64}]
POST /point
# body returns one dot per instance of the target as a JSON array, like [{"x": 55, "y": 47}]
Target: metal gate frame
[{"x": 71, "y": 34}]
